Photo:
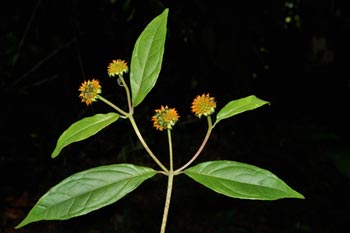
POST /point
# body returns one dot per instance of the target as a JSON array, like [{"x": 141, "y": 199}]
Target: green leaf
[
  {"x": 83, "y": 129},
  {"x": 87, "y": 191},
  {"x": 147, "y": 57},
  {"x": 240, "y": 180},
  {"x": 235, "y": 107}
]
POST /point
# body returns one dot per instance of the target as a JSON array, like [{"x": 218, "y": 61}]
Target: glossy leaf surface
[
  {"x": 238, "y": 106},
  {"x": 86, "y": 191},
  {"x": 83, "y": 129},
  {"x": 147, "y": 58},
  {"x": 240, "y": 180}
]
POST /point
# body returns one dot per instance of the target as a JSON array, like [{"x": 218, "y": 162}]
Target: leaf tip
[
  {"x": 300, "y": 196},
  {"x": 54, "y": 154},
  {"x": 21, "y": 224}
]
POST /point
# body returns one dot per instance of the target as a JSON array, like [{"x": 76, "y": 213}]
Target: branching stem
[{"x": 200, "y": 149}]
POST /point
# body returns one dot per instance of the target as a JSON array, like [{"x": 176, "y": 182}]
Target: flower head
[
  {"x": 89, "y": 91},
  {"x": 203, "y": 105},
  {"x": 117, "y": 67},
  {"x": 165, "y": 118}
]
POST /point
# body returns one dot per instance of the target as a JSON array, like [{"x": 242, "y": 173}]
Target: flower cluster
[
  {"x": 89, "y": 91},
  {"x": 117, "y": 67},
  {"x": 203, "y": 105},
  {"x": 165, "y": 118}
]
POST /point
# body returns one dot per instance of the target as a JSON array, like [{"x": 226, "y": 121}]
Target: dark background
[{"x": 293, "y": 54}]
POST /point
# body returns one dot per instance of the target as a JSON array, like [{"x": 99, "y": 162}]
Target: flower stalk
[
  {"x": 200, "y": 149},
  {"x": 163, "y": 119}
]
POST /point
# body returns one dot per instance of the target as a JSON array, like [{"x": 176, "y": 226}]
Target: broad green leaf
[
  {"x": 87, "y": 191},
  {"x": 240, "y": 180},
  {"x": 83, "y": 129},
  {"x": 235, "y": 107},
  {"x": 147, "y": 57}
]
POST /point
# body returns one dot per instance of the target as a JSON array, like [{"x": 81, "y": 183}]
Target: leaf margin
[
  {"x": 32, "y": 215},
  {"x": 63, "y": 141},
  {"x": 208, "y": 184},
  {"x": 141, "y": 85},
  {"x": 237, "y": 106}
]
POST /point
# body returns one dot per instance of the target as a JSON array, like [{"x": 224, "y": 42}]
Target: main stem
[
  {"x": 170, "y": 185},
  {"x": 167, "y": 201}
]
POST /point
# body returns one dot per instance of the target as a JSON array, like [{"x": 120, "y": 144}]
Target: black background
[{"x": 230, "y": 50}]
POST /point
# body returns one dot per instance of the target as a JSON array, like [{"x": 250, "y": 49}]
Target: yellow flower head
[
  {"x": 89, "y": 91},
  {"x": 165, "y": 118},
  {"x": 203, "y": 105},
  {"x": 117, "y": 67}
]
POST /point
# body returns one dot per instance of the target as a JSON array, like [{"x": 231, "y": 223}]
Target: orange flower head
[
  {"x": 203, "y": 105},
  {"x": 89, "y": 91},
  {"x": 165, "y": 118},
  {"x": 117, "y": 67}
]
